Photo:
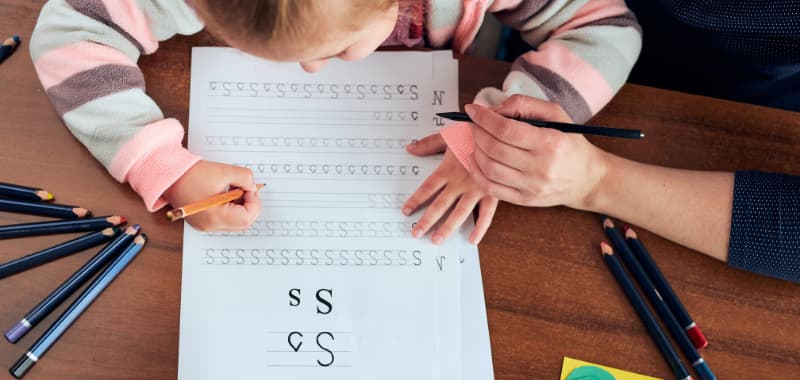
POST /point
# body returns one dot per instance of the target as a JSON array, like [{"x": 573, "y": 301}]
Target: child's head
[{"x": 305, "y": 31}]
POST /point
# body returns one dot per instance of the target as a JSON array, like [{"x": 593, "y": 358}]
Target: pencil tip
[
  {"x": 630, "y": 233},
  {"x": 607, "y": 222},
  {"x": 606, "y": 249},
  {"x": 117, "y": 220},
  {"x": 45, "y": 195},
  {"x": 81, "y": 212},
  {"x": 141, "y": 239}
]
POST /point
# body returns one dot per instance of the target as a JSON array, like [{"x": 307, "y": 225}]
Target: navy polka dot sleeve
[{"x": 765, "y": 228}]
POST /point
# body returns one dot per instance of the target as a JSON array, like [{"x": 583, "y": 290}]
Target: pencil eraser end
[
  {"x": 22, "y": 366},
  {"x": 696, "y": 336},
  {"x": 16, "y": 333}
]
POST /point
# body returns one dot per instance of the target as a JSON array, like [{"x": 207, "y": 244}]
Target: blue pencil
[
  {"x": 8, "y": 46},
  {"x": 56, "y": 252},
  {"x": 675, "y": 329},
  {"x": 644, "y": 313},
  {"x": 71, "y": 284},
  {"x": 37, "y": 351}
]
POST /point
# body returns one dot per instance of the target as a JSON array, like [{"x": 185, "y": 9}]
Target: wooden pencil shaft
[
  {"x": 563, "y": 127},
  {"x": 649, "y": 289},
  {"x": 661, "y": 283},
  {"x": 55, "y": 227},
  {"x": 205, "y": 204},
  {"x": 646, "y": 317},
  {"x": 53, "y": 253},
  {"x": 43, "y": 209},
  {"x": 77, "y": 279},
  {"x": 24, "y": 192}
]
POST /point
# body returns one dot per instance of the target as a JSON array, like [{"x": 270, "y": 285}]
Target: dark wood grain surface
[{"x": 548, "y": 292}]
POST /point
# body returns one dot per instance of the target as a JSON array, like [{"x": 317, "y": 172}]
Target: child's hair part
[{"x": 252, "y": 22}]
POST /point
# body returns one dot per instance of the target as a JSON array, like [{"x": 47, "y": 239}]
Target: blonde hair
[{"x": 262, "y": 21}]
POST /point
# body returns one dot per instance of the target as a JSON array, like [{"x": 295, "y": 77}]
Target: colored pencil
[
  {"x": 698, "y": 339},
  {"x": 71, "y": 284},
  {"x": 563, "y": 127},
  {"x": 57, "y": 251},
  {"x": 205, "y": 204},
  {"x": 25, "y": 192},
  {"x": 644, "y": 313},
  {"x": 674, "y": 328},
  {"x": 74, "y": 311},
  {"x": 8, "y": 46},
  {"x": 60, "y": 226},
  {"x": 43, "y": 209}
]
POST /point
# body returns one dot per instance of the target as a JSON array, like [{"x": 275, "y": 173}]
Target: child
[{"x": 85, "y": 52}]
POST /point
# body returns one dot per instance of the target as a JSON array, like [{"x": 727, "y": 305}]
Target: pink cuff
[
  {"x": 153, "y": 160},
  {"x": 459, "y": 140}
]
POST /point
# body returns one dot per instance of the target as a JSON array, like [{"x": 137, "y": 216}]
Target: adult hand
[{"x": 532, "y": 166}]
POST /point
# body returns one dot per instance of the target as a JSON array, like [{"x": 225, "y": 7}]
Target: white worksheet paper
[
  {"x": 475, "y": 350},
  {"x": 328, "y": 283}
]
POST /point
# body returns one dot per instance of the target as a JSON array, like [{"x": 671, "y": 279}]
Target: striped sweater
[{"x": 85, "y": 54}]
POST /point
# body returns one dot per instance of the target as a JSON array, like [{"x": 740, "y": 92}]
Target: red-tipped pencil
[
  {"x": 665, "y": 290},
  {"x": 644, "y": 313}
]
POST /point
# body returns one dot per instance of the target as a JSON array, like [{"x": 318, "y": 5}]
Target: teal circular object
[{"x": 589, "y": 372}]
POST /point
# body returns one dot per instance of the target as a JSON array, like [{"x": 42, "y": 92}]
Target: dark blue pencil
[
  {"x": 644, "y": 313},
  {"x": 25, "y": 192},
  {"x": 56, "y": 252},
  {"x": 60, "y": 226},
  {"x": 563, "y": 127},
  {"x": 661, "y": 283},
  {"x": 68, "y": 287},
  {"x": 60, "y": 326},
  {"x": 675, "y": 329},
  {"x": 43, "y": 209},
  {"x": 8, "y": 46}
]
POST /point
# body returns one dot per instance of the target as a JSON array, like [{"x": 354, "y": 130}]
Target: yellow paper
[{"x": 570, "y": 364}]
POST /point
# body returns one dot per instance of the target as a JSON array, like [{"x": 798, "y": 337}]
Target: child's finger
[
  {"x": 460, "y": 213},
  {"x": 432, "y": 144},
  {"x": 242, "y": 178},
  {"x": 232, "y": 217},
  {"x": 486, "y": 209},
  {"x": 434, "y": 212},
  {"x": 252, "y": 205},
  {"x": 425, "y": 191}
]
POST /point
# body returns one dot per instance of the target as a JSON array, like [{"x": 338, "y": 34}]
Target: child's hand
[
  {"x": 454, "y": 187},
  {"x": 208, "y": 178}
]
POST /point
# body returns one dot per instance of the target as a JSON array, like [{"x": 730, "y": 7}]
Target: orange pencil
[{"x": 205, "y": 204}]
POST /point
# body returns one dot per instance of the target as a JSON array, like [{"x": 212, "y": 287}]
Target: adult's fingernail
[
  {"x": 437, "y": 239},
  {"x": 416, "y": 232}
]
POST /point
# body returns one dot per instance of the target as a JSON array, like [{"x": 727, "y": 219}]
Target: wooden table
[{"x": 548, "y": 292}]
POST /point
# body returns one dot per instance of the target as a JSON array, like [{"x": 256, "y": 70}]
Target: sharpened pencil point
[
  {"x": 607, "y": 222},
  {"x": 630, "y": 233},
  {"x": 45, "y": 195},
  {"x": 81, "y": 212},
  {"x": 606, "y": 249},
  {"x": 133, "y": 230}
]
